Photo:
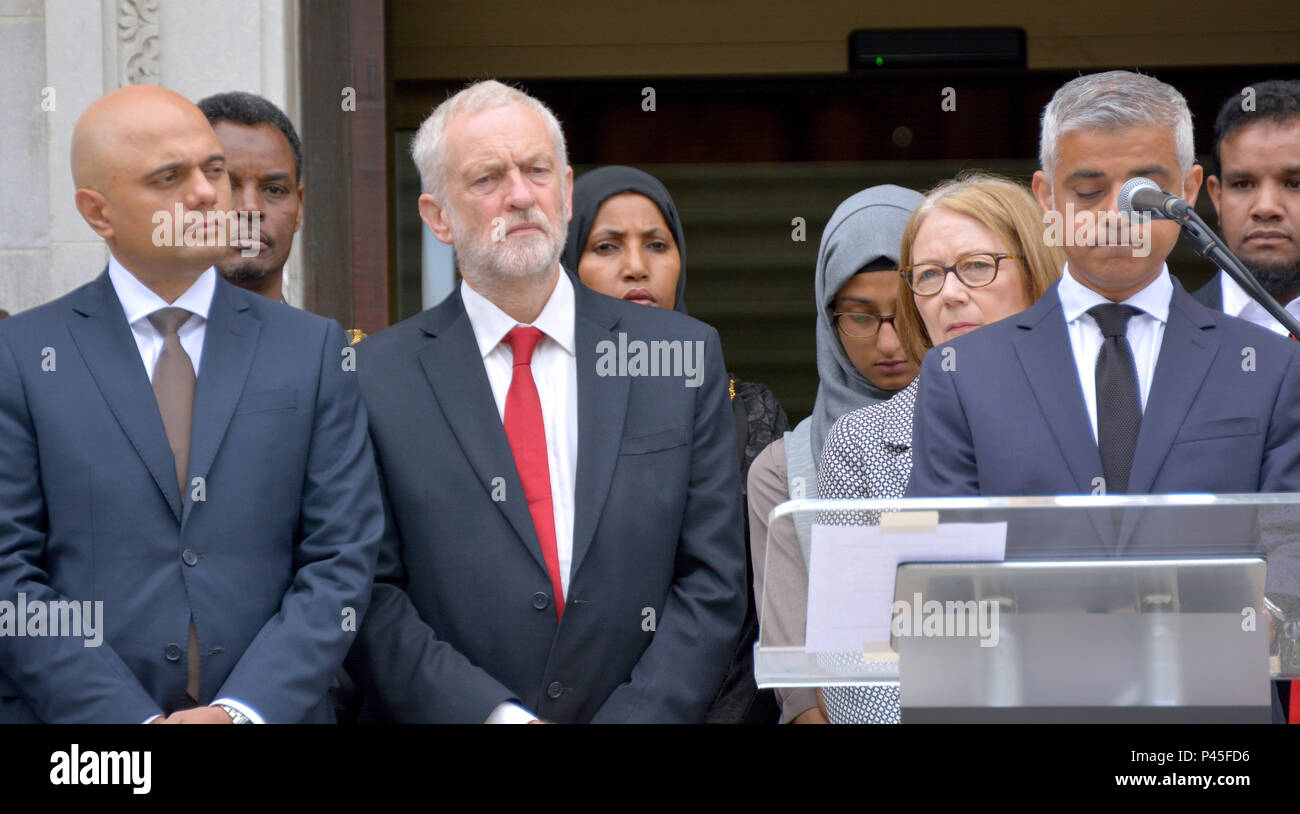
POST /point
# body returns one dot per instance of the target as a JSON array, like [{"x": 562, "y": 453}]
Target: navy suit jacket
[
  {"x": 270, "y": 563},
  {"x": 1005, "y": 415},
  {"x": 462, "y": 617}
]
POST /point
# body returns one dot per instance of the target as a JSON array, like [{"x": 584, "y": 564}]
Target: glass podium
[{"x": 1150, "y": 608}]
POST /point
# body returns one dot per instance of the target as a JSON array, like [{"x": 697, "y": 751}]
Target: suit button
[
  {"x": 190, "y": 557},
  {"x": 173, "y": 652},
  {"x": 541, "y": 600},
  {"x": 554, "y": 690}
]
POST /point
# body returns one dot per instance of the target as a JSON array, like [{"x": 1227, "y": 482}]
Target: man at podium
[{"x": 1116, "y": 380}]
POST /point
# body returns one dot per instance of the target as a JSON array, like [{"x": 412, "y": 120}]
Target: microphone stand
[{"x": 1210, "y": 246}]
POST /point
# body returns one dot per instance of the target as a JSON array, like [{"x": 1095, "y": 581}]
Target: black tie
[{"x": 1119, "y": 413}]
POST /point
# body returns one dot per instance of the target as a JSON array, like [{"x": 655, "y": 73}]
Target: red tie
[{"x": 527, "y": 435}]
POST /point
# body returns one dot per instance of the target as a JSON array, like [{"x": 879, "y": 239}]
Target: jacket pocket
[
  {"x": 1218, "y": 428},
  {"x": 285, "y": 398},
  {"x": 655, "y": 441}
]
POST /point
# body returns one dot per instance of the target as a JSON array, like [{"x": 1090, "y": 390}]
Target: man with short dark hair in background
[
  {"x": 264, "y": 161},
  {"x": 1256, "y": 193}
]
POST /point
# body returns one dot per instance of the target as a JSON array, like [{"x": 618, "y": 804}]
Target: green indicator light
[{"x": 880, "y": 61}]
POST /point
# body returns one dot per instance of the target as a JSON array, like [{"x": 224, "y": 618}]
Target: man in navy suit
[
  {"x": 564, "y": 510},
  {"x": 190, "y": 455},
  {"x": 1116, "y": 380}
]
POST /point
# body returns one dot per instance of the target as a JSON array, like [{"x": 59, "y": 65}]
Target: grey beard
[
  {"x": 484, "y": 258},
  {"x": 1276, "y": 280}
]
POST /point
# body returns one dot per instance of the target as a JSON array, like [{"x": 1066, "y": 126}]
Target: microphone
[{"x": 1144, "y": 195}]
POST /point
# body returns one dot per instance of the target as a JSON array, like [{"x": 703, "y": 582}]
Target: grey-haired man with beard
[{"x": 563, "y": 521}]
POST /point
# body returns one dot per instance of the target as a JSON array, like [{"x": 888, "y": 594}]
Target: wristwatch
[{"x": 236, "y": 717}]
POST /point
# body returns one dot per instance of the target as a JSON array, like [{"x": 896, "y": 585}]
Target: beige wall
[
  {"x": 452, "y": 39},
  {"x": 58, "y": 56}
]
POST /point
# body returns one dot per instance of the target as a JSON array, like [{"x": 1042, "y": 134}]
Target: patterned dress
[{"x": 868, "y": 454}]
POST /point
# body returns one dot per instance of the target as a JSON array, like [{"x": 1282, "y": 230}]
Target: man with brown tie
[{"x": 201, "y": 462}]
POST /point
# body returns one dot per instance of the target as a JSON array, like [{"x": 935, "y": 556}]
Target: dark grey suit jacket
[
  {"x": 462, "y": 617},
  {"x": 270, "y": 563},
  {"x": 1211, "y": 294}
]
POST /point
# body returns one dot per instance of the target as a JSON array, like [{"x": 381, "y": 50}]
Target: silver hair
[
  {"x": 1112, "y": 101},
  {"x": 428, "y": 150}
]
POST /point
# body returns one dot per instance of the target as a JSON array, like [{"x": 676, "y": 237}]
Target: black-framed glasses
[
  {"x": 861, "y": 326},
  {"x": 974, "y": 270}
]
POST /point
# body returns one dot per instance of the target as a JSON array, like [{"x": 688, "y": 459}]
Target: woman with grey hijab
[{"x": 860, "y": 361}]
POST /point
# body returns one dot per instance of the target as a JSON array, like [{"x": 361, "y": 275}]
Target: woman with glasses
[
  {"x": 859, "y": 362},
  {"x": 972, "y": 253}
]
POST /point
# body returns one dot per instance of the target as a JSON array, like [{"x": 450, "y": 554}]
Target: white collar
[
  {"x": 139, "y": 301},
  {"x": 1153, "y": 299},
  {"x": 1235, "y": 298},
  {"x": 491, "y": 324}
]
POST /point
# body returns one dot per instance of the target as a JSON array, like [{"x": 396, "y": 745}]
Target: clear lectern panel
[{"x": 1143, "y": 600}]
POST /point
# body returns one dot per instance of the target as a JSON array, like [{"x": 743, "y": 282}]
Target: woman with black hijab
[{"x": 625, "y": 241}]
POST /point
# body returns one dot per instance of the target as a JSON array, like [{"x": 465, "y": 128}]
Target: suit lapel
[
  {"x": 1186, "y": 352},
  {"x": 1043, "y": 347},
  {"x": 455, "y": 371},
  {"x": 111, "y": 355},
  {"x": 229, "y": 346},
  {"x": 602, "y": 407}
]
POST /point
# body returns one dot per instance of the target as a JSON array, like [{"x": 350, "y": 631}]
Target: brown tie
[{"x": 173, "y": 385}]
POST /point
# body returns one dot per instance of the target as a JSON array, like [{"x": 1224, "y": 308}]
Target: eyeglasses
[
  {"x": 861, "y": 326},
  {"x": 973, "y": 271}
]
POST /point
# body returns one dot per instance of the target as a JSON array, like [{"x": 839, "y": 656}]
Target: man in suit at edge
[
  {"x": 1116, "y": 378},
  {"x": 191, "y": 455},
  {"x": 1256, "y": 194},
  {"x": 578, "y": 562}
]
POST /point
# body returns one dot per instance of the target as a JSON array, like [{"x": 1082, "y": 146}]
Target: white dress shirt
[
  {"x": 138, "y": 302},
  {"x": 555, "y": 372},
  {"x": 1237, "y": 303},
  {"x": 1145, "y": 331}
]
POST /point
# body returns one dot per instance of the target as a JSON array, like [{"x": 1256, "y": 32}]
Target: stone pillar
[{"x": 58, "y": 56}]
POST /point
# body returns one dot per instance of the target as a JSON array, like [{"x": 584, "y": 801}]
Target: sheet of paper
[{"x": 853, "y": 569}]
